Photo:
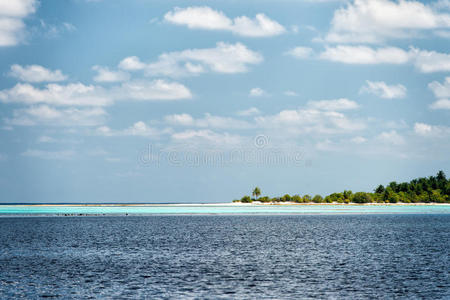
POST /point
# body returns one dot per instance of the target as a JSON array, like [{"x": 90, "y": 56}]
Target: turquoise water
[{"x": 223, "y": 209}]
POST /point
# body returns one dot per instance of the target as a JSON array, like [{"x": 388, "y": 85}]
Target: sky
[{"x": 201, "y": 101}]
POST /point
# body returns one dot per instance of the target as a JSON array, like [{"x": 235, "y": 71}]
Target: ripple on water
[{"x": 349, "y": 256}]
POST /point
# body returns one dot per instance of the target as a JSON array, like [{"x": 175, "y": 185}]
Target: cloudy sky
[{"x": 200, "y": 101}]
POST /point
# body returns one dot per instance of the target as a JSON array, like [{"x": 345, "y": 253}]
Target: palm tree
[{"x": 256, "y": 192}]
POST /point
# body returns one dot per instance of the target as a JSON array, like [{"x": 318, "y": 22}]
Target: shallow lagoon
[{"x": 221, "y": 209}]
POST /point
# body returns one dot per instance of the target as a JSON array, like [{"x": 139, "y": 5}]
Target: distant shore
[{"x": 343, "y": 204}]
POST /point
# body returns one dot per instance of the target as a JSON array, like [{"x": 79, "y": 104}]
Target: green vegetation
[
  {"x": 434, "y": 189},
  {"x": 256, "y": 192}
]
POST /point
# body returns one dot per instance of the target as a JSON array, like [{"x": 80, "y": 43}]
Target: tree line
[{"x": 432, "y": 189}]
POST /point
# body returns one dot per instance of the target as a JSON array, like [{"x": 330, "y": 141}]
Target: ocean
[{"x": 253, "y": 256}]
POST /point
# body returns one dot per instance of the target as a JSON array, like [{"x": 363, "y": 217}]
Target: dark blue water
[{"x": 289, "y": 257}]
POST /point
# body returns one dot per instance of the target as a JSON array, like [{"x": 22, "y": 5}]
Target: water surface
[
  {"x": 374, "y": 256},
  {"x": 223, "y": 209}
]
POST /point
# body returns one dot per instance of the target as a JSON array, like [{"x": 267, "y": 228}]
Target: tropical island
[{"x": 432, "y": 189}]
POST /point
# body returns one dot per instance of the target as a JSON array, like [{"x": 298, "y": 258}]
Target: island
[{"x": 432, "y": 189}]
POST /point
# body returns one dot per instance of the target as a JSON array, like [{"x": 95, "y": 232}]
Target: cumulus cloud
[
  {"x": 208, "y": 121},
  {"x": 12, "y": 26},
  {"x": 427, "y": 130},
  {"x": 224, "y": 58},
  {"x": 391, "y": 137},
  {"x": 204, "y": 17},
  {"x": 441, "y": 104},
  {"x": 257, "y": 92},
  {"x": 36, "y": 73},
  {"x": 300, "y": 52},
  {"x": 430, "y": 61},
  {"x": 442, "y": 92},
  {"x": 56, "y": 94},
  {"x": 137, "y": 129},
  {"x": 375, "y": 21},
  {"x": 425, "y": 61},
  {"x": 104, "y": 74},
  {"x": 151, "y": 90},
  {"x": 307, "y": 121},
  {"x": 46, "y": 115},
  {"x": 206, "y": 137},
  {"x": 132, "y": 63},
  {"x": 78, "y": 94},
  {"x": 383, "y": 90},
  {"x": 333, "y": 105},
  {"x": 365, "y": 55},
  {"x": 248, "y": 112}
]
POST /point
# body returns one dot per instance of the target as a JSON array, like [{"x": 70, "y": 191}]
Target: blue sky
[{"x": 200, "y": 101}]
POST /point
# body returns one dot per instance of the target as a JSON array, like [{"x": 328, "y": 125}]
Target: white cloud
[
  {"x": 374, "y": 21},
  {"x": 106, "y": 75},
  {"x": 56, "y": 94},
  {"x": 427, "y": 130},
  {"x": 45, "y": 115},
  {"x": 180, "y": 119},
  {"x": 209, "y": 121},
  {"x": 381, "y": 89},
  {"x": 290, "y": 93},
  {"x": 307, "y": 121},
  {"x": 441, "y": 90},
  {"x": 257, "y": 92},
  {"x": 365, "y": 55},
  {"x": 300, "y": 52},
  {"x": 151, "y": 90},
  {"x": 12, "y": 13},
  {"x": 208, "y": 137},
  {"x": 132, "y": 63},
  {"x": 430, "y": 61},
  {"x": 391, "y": 137},
  {"x": 50, "y": 155},
  {"x": 425, "y": 61},
  {"x": 249, "y": 112},
  {"x": 78, "y": 94},
  {"x": 333, "y": 105},
  {"x": 137, "y": 129},
  {"x": 207, "y": 18},
  {"x": 441, "y": 104},
  {"x": 36, "y": 73},
  {"x": 224, "y": 58}
]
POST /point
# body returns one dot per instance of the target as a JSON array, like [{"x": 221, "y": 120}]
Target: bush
[
  {"x": 264, "y": 199},
  {"x": 286, "y": 198},
  {"x": 246, "y": 199},
  {"x": 361, "y": 197},
  {"x": 297, "y": 199},
  {"x": 317, "y": 199}
]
